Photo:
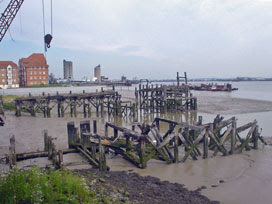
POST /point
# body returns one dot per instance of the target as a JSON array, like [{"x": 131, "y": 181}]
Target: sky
[{"x": 151, "y": 39}]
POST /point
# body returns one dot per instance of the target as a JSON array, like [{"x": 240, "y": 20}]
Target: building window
[
  {"x": 14, "y": 80},
  {"x": 40, "y": 77},
  {"x": 3, "y": 74},
  {"x": 30, "y": 73},
  {"x": 31, "y": 78},
  {"x": 3, "y": 80},
  {"x": 40, "y": 72},
  {"x": 35, "y": 77},
  {"x": 44, "y": 77},
  {"x": 35, "y": 72},
  {"x": 43, "y": 72}
]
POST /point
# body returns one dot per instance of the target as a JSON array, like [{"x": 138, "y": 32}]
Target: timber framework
[{"x": 181, "y": 141}]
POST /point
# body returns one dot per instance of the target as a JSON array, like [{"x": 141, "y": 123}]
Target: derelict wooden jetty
[
  {"x": 72, "y": 103},
  {"x": 179, "y": 142},
  {"x": 162, "y": 98}
]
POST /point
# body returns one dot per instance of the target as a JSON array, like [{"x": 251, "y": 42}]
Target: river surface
[{"x": 241, "y": 178}]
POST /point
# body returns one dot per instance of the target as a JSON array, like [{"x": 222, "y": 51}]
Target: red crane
[{"x": 8, "y": 16}]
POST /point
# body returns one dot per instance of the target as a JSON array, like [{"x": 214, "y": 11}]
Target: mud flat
[
  {"x": 243, "y": 178},
  {"x": 228, "y": 105}
]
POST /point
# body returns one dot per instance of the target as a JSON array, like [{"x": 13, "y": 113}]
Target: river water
[{"x": 245, "y": 178}]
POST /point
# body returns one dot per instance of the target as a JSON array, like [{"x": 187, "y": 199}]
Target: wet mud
[
  {"x": 142, "y": 189},
  {"x": 241, "y": 178}
]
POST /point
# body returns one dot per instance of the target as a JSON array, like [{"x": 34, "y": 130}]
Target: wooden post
[
  {"x": 1, "y": 106},
  {"x": 142, "y": 153},
  {"x": 177, "y": 79},
  {"x": 50, "y": 147},
  {"x": 32, "y": 108},
  {"x": 102, "y": 106},
  {"x": 233, "y": 136},
  {"x": 102, "y": 157},
  {"x": 71, "y": 131},
  {"x": 71, "y": 107},
  {"x": 106, "y": 130},
  {"x": 205, "y": 145},
  {"x": 85, "y": 126},
  {"x": 158, "y": 124},
  {"x": 75, "y": 109},
  {"x": 59, "y": 111},
  {"x": 89, "y": 111},
  {"x": 115, "y": 133},
  {"x": 12, "y": 153},
  {"x": 176, "y": 149},
  {"x": 18, "y": 108},
  {"x": 84, "y": 141},
  {"x": 46, "y": 141},
  {"x": 84, "y": 109},
  {"x": 255, "y": 137},
  {"x": 94, "y": 127},
  {"x": 93, "y": 150},
  {"x": 54, "y": 155},
  {"x": 60, "y": 158},
  {"x": 185, "y": 77}
]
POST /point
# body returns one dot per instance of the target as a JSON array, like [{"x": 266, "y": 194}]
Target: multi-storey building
[
  {"x": 67, "y": 69},
  {"x": 97, "y": 73},
  {"x": 33, "y": 70},
  {"x": 9, "y": 77}
]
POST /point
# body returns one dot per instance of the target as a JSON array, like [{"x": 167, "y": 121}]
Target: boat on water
[{"x": 212, "y": 87}]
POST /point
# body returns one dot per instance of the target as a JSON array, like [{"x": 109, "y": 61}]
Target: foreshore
[{"x": 226, "y": 179}]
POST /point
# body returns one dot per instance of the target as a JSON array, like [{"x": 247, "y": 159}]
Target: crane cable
[
  {"x": 47, "y": 37},
  {"x": 45, "y": 50},
  {"x": 51, "y": 18}
]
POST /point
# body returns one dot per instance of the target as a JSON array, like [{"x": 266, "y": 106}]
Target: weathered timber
[
  {"x": 32, "y": 155},
  {"x": 63, "y": 102},
  {"x": 165, "y": 97},
  {"x": 12, "y": 152}
]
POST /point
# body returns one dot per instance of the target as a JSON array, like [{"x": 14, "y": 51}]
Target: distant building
[
  {"x": 97, "y": 73},
  {"x": 124, "y": 79},
  {"x": 104, "y": 79},
  {"x": 9, "y": 75},
  {"x": 67, "y": 69},
  {"x": 33, "y": 70}
]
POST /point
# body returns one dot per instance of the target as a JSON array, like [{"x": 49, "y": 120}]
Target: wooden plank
[
  {"x": 247, "y": 140},
  {"x": 220, "y": 147}
]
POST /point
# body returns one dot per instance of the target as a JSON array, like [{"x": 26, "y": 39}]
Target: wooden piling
[
  {"x": 102, "y": 157},
  {"x": 12, "y": 152},
  {"x": 205, "y": 146},
  {"x": 233, "y": 136},
  {"x": 176, "y": 152},
  {"x": 255, "y": 137},
  {"x": 46, "y": 139},
  {"x": 94, "y": 126}
]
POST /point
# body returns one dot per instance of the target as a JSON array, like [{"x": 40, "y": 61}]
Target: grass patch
[
  {"x": 8, "y": 102},
  {"x": 37, "y": 186}
]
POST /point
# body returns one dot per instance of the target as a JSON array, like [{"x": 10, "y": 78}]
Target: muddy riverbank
[
  {"x": 129, "y": 186},
  {"x": 241, "y": 178}
]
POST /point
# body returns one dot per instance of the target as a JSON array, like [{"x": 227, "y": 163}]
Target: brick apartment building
[
  {"x": 33, "y": 70},
  {"x": 9, "y": 75}
]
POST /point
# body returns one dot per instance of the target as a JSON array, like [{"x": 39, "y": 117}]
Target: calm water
[{"x": 249, "y": 90}]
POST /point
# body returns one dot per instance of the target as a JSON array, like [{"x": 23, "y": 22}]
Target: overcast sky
[{"x": 147, "y": 38}]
